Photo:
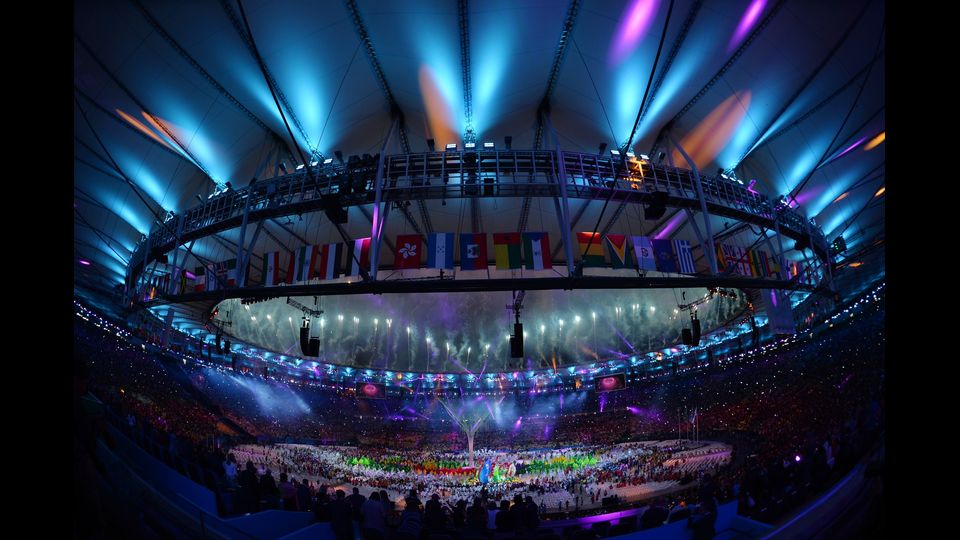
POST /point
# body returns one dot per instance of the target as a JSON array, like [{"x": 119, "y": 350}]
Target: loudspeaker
[
  {"x": 686, "y": 336},
  {"x": 696, "y": 331},
  {"x": 219, "y": 344},
  {"x": 305, "y": 340},
  {"x": 516, "y": 341},
  {"x": 314, "y": 347},
  {"x": 233, "y": 363},
  {"x": 226, "y": 346},
  {"x": 657, "y": 206}
]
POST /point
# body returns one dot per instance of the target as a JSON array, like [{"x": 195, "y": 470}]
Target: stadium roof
[{"x": 173, "y": 99}]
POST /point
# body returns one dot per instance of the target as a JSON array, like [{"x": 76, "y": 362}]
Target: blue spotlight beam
[
  {"x": 718, "y": 75},
  {"x": 803, "y": 87},
  {"x": 247, "y": 37},
  {"x": 823, "y": 103},
  {"x": 209, "y": 78},
  {"x": 144, "y": 108},
  {"x": 653, "y": 70},
  {"x": 671, "y": 56}
]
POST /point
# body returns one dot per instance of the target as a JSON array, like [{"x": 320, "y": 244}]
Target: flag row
[{"x": 511, "y": 251}]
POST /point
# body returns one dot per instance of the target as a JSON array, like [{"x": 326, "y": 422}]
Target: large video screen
[
  {"x": 369, "y": 390},
  {"x": 609, "y": 383}
]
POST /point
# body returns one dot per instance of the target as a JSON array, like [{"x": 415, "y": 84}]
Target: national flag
[
  {"x": 358, "y": 256},
  {"x": 666, "y": 262},
  {"x": 210, "y": 275},
  {"x": 506, "y": 250},
  {"x": 721, "y": 258},
  {"x": 408, "y": 251},
  {"x": 591, "y": 251},
  {"x": 306, "y": 258},
  {"x": 536, "y": 247},
  {"x": 643, "y": 249},
  {"x": 227, "y": 270},
  {"x": 776, "y": 266},
  {"x": 440, "y": 250},
  {"x": 473, "y": 251},
  {"x": 743, "y": 261},
  {"x": 201, "y": 283},
  {"x": 617, "y": 246},
  {"x": 182, "y": 281},
  {"x": 756, "y": 268},
  {"x": 291, "y": 272},
  {"x": 684, "y": 256},
  {"x": 271, "y": 269},
  {"x": 328, "y": 265},
  {"x": 764, "y": 264}
]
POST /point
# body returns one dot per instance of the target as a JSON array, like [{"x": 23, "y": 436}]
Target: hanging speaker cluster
[
  {"x": 309, "y": 346},
  {"x": 516, "y": 341}
]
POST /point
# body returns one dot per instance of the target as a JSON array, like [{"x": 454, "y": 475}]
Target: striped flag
[
  {"x": 764, "y": 264},
  {"x": 328, "y": 266},
  {"x": 271, "y": 269},
  {"x": 536, "y": 246},
  {"x": 201, "y": 283},
  {"x": 592, "y": 255},
  {"x": 228, "y": 271},
  {"x": 743, "y": 261},
  {"x": 473, "y": 251},
  {"x": 617, "y": 246},
  {"x": 756, "y": 268},
  {"x": 358, "y": 256},
  {"x": 408, "y": 251},
  {"x": 210, "y": 274},
  {"x": 506, "y": 250},
  {"x": 440, "y": 250},
  {"x": 288, "y": 278},
  {"x": 306, "y": 258},
  {"x": 643, "y": 249},
  {"x": 666, "y": 262},
  {"x": 721, "y": 258},
  {"x": 684, "y": 256}
]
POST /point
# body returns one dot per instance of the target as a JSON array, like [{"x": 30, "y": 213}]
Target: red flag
[{"x": 408, "y": 251}]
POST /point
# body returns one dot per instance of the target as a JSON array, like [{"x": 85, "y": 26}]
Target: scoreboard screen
[
  {"x": 609, "y": 383},
  {"x": 369, "y": 390}
]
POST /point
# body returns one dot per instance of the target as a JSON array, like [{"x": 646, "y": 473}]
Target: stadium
[{"x": 458, "y": 270}]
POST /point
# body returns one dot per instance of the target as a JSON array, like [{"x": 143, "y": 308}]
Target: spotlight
[
  {"x": 488, "y": 146},
  {"x": 451, "y": 147},
  {"x": 283, "y": 167},
  {"x": 339, "y": 155},
  {"x": 300, "y": 167},
  {"x": 470, "y": 146},
  {"x": 328, "y": 161},
  {"x": 431, "y": 144},
  {"x": 615, "y": 153},
  {"x": 508, "y": 142},
  {"x": 603, "y": 148}
]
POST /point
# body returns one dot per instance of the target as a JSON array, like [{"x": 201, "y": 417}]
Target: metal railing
[{"x": 482, "y": 173}]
